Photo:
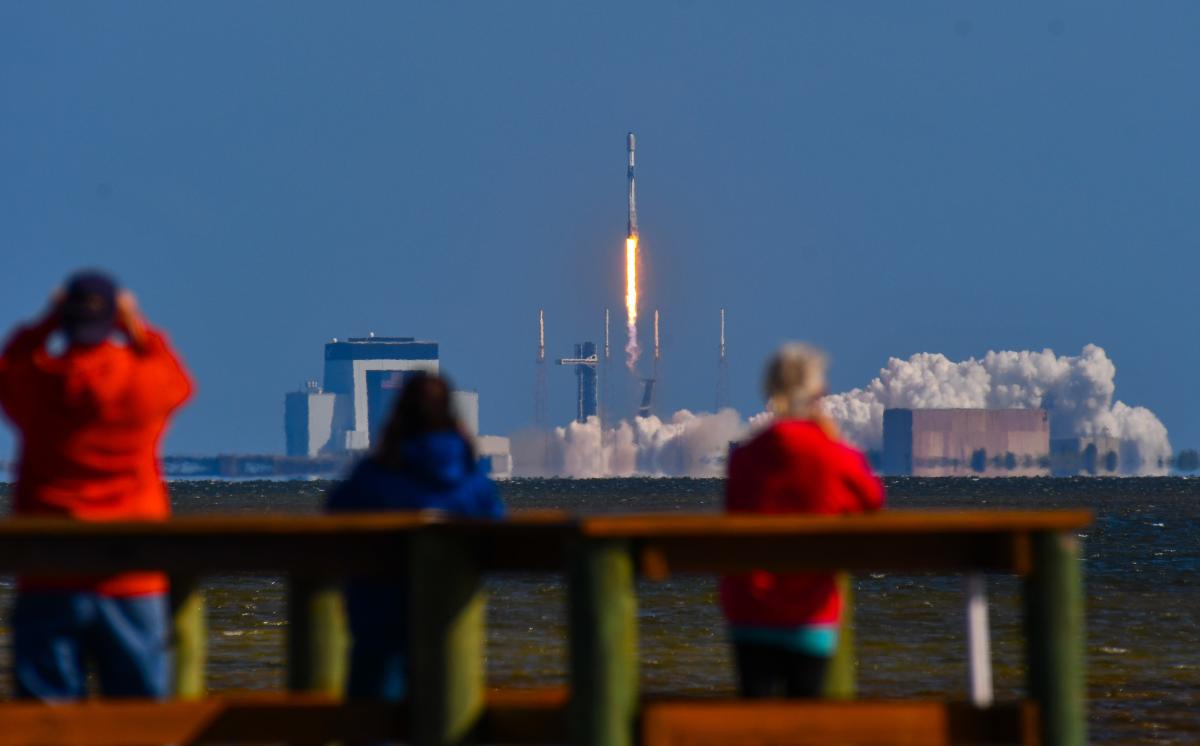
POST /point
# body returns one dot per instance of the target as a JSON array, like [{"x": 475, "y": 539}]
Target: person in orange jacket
[
  {"x": 89, "y": 421},
  {"x": 784, "y": 626}
]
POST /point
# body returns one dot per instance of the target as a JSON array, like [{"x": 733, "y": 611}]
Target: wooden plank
[
  {"x": 642, "y": 525},
  {"x": 527, "y": 541},
  {"x": 1054, "y": 633},
  {"x": 368, "y": 544},
  {"x": 186, "y": 554},
  {"x": 223, "y": 525},
  {"x": 256, "y": 524},
  {"x": 525, "y": 716},
  {"x": 817, "y": 723},
  {"x": 633, "y": 525},
  {"x": 359, "y": 544},
  {"x": 536, "y": 716},
  {"x": 602, "y": 619},
  {"x": 446, "y": 639},
  {"x": 236, "y": 719},
  {"x": 189, "y": 638},
  {"x": 317, "y": 639},
  {"x": 782, "y": 551},
  {"x": 321, "y": 721},
  {"x": 513, "y": 716},
  {"x": 192, "y": 545},
  {"x": 841, "y": 677}
]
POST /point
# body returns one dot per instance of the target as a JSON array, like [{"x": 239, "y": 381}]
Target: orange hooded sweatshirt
[{"x": 90, "y": 422}]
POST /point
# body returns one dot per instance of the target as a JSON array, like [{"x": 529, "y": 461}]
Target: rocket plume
[{"x": 632, "y": 350}]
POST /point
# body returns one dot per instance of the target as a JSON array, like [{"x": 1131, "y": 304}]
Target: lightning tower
[
  {"x": 539, "y": 392},
  {"x": 722, "y": 369},
  {"x": 647, "y": 407},
  {"x": 604, "y": 387},
  {"x": 657, "y": 348},
  {"x": 607, "y": 349}
]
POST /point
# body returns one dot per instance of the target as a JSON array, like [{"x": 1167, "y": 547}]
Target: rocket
[{"x": 630, "y": 146}]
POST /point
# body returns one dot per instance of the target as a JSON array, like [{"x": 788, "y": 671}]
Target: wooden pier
[{"x": 445, "y": 562}]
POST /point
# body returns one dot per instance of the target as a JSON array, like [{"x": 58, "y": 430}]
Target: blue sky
[{"x": 880, "y": 178}]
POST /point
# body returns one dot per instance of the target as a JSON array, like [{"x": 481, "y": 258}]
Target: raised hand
[
  {"x": 129, "y": 319},
  {"x": 53, "y": 313}
]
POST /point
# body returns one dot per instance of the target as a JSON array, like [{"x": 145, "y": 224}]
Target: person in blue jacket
[{"x": 422, "y": 462}]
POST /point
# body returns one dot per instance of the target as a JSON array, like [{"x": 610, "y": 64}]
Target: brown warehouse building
[{"x": 966, "y": 442}]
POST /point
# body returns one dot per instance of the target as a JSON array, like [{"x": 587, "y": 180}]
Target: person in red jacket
[
  {"x": 784, "y": 626},
  {"x": 90, "y": 419}
]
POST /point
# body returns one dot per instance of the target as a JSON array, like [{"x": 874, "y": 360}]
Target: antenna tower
[
  {"x": 722, "y": 369},
  {"x": 657, "y": 348},
  {"x": 604, "y": 389},
  {"x": 540, "y": 398},
  {"x": 647, "y": 400}
]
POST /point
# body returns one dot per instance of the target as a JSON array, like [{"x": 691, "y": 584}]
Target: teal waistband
[{"x": 813, "y": 639}]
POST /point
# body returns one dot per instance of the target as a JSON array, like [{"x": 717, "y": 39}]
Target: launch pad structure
[{"x": 585, "y": 362}]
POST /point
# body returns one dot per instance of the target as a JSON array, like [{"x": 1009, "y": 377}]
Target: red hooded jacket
[
  {"x": 793, "y": 467},
  {"x": 90, "y": 422}
]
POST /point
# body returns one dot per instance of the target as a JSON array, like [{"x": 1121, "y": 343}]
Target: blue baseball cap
[{"x": 89, "y": 308}]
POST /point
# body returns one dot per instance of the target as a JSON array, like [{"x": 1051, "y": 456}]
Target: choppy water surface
[{"x": 1142, "y": 556}]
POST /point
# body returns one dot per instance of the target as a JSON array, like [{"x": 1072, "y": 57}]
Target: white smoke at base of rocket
[
  {"x": 1077, "y": 391},
  {"x": 684, "y": 445},
  {"x": 632, "y": 349}
]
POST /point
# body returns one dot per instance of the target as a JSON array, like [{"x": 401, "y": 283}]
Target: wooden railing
[{"x": 445, "y": 561}]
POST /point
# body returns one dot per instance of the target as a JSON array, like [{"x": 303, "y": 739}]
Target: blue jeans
[
  {"x": 55, "y": 633},
  {"x": 377, "y": 613}
]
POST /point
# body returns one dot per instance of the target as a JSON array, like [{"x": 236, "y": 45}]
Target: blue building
[{"x": 584, "y": 362}]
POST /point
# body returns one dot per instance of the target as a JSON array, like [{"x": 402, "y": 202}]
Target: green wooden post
[
  {"x": 1055, "y": 639},
  {"x": 189, "y": 638},
  {"x": 316, "y": 639},
  {"x": 841, "y": 680},
  {"x": 602, "y": 615},
  {"x": 446, "y": 639}
]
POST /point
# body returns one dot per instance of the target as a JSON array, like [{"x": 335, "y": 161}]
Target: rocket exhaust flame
[{"x": 632, "y": 350}]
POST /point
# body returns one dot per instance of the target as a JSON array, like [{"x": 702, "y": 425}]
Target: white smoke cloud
[
  {"x": 686, "y": 445},
  {"x": 1077, "y": 391}
]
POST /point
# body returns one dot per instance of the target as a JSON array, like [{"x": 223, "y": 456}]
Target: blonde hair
[{"x": 794, "y": 380}]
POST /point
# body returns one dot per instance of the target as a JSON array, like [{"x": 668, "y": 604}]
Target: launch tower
[
  {"x": 585, "y": 362},
  {"x": 722, "y": 369}
]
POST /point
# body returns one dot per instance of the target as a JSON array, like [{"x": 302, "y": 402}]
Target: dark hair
[{"x": 424, "y": 406}]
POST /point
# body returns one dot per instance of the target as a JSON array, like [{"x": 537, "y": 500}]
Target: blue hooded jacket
[{"x": 438, "y": 474}]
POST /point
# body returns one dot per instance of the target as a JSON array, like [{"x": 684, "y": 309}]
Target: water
[{"x": 1142, "y": 557}]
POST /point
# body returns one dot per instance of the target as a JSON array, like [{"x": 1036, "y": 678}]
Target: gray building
[
  {"x": 466, "y": 406},
  {"x": 308, "y": 420}
]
